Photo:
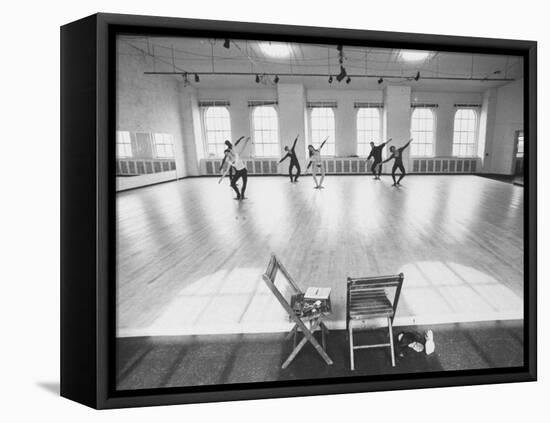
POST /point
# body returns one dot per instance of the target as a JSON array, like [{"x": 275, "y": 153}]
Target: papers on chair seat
[{"x": 315, "y": 293}]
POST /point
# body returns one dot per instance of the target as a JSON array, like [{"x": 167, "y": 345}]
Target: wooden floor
[{"x": 190, "y": 258}]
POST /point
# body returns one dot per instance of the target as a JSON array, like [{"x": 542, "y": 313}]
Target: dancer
[
  {"x": 229, "y": 146},
  {"x": 293, "y": 161},
  {"x": 235, "y": 161},
  {"x": 397, "y": 155},
  {"x": 376, "y": 154},
  {"x": 315, "y": 159}
]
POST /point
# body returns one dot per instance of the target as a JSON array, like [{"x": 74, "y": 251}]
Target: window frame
[
  {"x": 310, "y": 130},
  {"x": 475, "y": 132},
  {"x": 155, "y": 145},
  {"x": 367, "y": 144},
  {"x": 205, "y": 131},
  {"x": 433, "y": 131},
  {"x": 253, "y": 130},
  {"x": 129, "y": 156}
]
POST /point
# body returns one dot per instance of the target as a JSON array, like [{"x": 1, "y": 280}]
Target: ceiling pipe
[{"x": 377, "y": 76}]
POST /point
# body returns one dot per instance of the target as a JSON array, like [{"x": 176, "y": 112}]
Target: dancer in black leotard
[
  {"x": 294, "y": 163},
  {"x": 376, "y": 154},
  {"x": 397, "y": 155}
]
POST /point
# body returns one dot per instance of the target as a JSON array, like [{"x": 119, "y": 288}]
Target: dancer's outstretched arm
[
  {"x": 308, "y": 165},
  {"x": 406, "y": 145},
  {"x": 243, "y": 146},
  {"x": 323, "y": 143},
  {"x": 223, "y": 161},
  {"x": 239, "y": 140},
  {"x": 388, "y": 159},
  {"x": 284, "y": 157},
  {"x": 295, "y": 141},
  {"x": 387, "y": 142}
]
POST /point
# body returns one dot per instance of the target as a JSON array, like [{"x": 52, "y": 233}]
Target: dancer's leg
[
  {"x": 394, "y": 168},
  {"x": 374, "y": 165},
  {"x": 244, "y": 176},
  {"x": 290, "y": 166},
  {"x": 322, "y": 174},
  {"x": 379, "y": 169},
  {"x": 234, "y": 179},
  {"x": 298, "y": 171},
  {"x": 403, "y": 173},
  {"x": 314, "y": 174}
]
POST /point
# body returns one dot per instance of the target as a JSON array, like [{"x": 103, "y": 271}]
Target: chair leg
[
  {"x": 350, "y": 336},
  {"x": 390, "y": 330}
]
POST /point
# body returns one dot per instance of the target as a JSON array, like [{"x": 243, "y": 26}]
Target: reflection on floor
[
  {"x": 156, "y": 362},
  {"x": 190, "y": 258}
]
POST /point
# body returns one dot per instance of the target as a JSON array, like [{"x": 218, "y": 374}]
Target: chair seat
[{"x": 370, "y": 304}]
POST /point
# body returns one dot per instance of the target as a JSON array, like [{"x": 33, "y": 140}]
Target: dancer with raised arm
[
  {"x": 318, "y": 165},
  {"x": 397, "y": 155},
  {"x": 376, "y": 154},
  {"x": 229, "y": 146},
  {"x": 294, "y": 163},
  {"x": 234, "y": 158}
]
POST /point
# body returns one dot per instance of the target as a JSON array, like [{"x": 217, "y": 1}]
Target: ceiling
[{"x": 312, "y": 64}]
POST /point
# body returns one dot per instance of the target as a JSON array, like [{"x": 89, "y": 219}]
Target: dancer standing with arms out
[
  {"x": 235, "y": 161},
  {"x": 315, "y": 159},
  {"x": 376, "y": 154},
  {"x": 397, "y": 155},
  {"x": 229, "y": 146},
  {"x": 294, "y": 163}
]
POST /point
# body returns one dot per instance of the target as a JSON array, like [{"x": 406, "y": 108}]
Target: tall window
[
  {"x": 521, "y": 144},
  {"x": 218, "y": 129},
  {"x": 123, "y": 144},
  {"x": 422, "y": 132},
  {"x": 464, "y": 134},
  {"x": 164, "y": 146},
  {"x": 368, "y": 129},
  {"x": 322, "y": 126},
  {"x": 266, "y": 131}
]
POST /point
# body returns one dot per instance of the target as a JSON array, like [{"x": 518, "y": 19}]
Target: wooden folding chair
[
  {"x": 372, "y": 298},
  {"x": 301, "y": 321}
]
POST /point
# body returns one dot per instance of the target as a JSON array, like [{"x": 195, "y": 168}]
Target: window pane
[
  {"x": 265, "y": 122},
  {"x": 422, "y": 132},
  {"x": 217, "y": 124},
  {"x": 464, "y": 136},
  {"x": 368, "y": 129},
  {"x": 123, "y": 144},
  {"x": 322, "y": 126}
]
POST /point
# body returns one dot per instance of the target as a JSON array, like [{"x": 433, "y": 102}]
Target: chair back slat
[{"x": 370, "y": 295}]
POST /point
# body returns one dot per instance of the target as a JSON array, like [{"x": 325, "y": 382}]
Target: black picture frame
[{"x": 88, "y": 210}]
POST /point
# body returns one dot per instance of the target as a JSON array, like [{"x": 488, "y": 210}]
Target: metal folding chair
[
  {"x": 301, "y": 322},
  {"x": 372, "y": 298}
]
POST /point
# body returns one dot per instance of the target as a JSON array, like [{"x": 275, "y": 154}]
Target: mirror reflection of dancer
[
  {"x": 376, "y": 154},
  {"x": 294, "y": 163},
  {"x": 234, "y": 158},
  {"x": 318, "y": 165},
  {"x": 397, "y": 155}
]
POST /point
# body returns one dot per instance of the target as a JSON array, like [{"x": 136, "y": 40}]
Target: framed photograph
[{"x": 255, "y": 211}]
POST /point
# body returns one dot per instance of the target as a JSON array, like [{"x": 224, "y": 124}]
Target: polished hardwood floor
[{"x": 190, "y": 257}]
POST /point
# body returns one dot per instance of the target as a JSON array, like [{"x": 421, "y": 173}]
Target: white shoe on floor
[{"x": 429, "y": 346}]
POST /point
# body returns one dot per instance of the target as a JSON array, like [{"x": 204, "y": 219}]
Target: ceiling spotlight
[
  {"x": 348, "y": 80},
  {"x": 330, "y": 79},
  {"x": 276, "y": 79},
  {"x": 380, "y": 80},
  {"x": 342, "y": 74},
  {"x": 257, "y": 79},
  {"x": 417, "y": 77},
  {"x": 227, "y": 43},
  {"x": 197, "y": 79}
]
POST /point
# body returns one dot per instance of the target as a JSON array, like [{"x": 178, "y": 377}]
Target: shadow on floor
[
  {"x": 50, "y": 387},
  {"x": 154, "y": 362}
]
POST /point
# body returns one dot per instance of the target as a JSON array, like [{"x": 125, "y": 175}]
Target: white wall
[
  {"x": 500, "y": 147},
  {"x": 148, "y": 104}
]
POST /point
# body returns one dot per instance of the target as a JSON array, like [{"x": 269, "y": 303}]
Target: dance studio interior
[{"x": 335, "y": 271}]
